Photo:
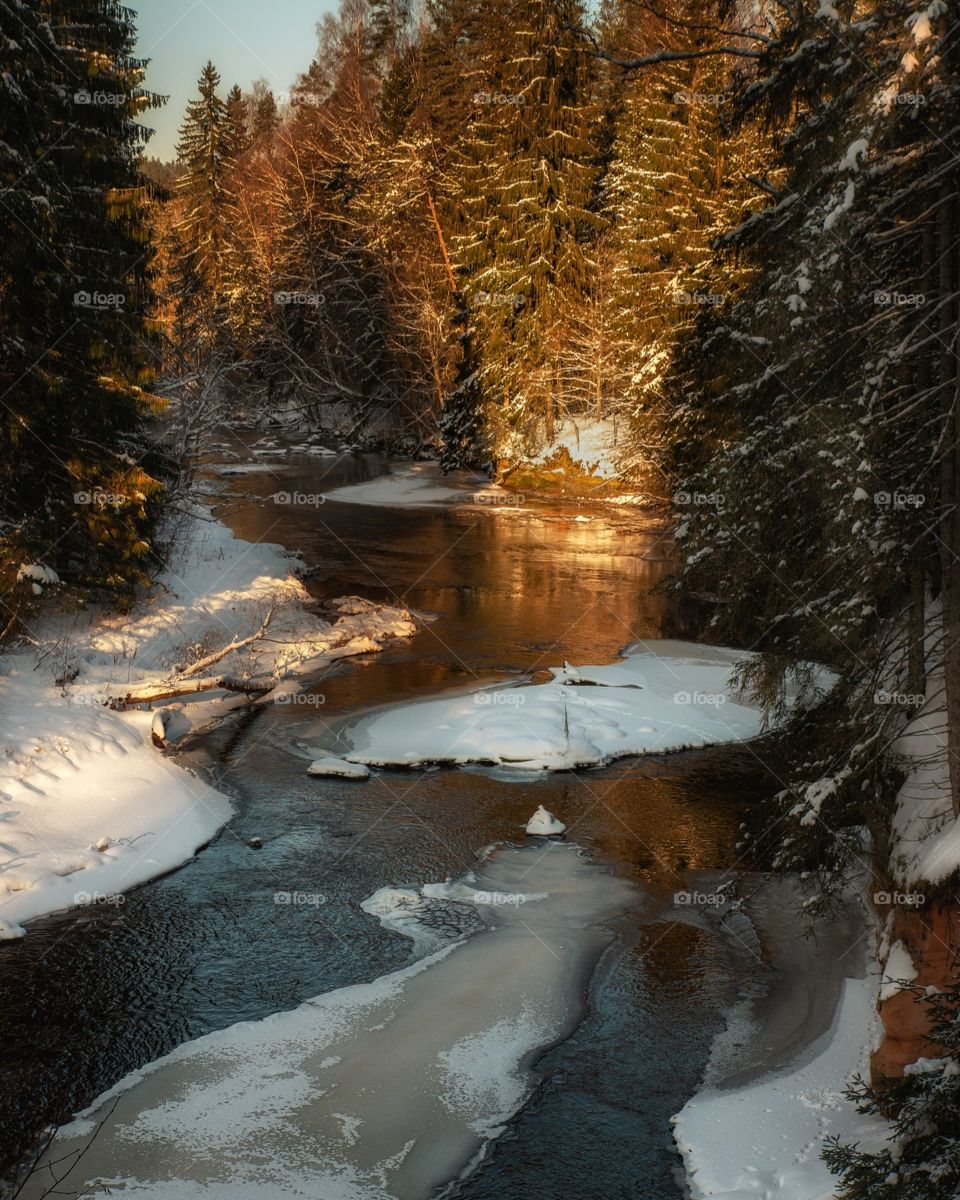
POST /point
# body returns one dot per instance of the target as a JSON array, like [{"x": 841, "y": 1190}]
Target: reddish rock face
[{"x": 932, "y": 936}]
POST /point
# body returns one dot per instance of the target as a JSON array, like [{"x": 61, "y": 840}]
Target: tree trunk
[{"x": 949, "y": 464}]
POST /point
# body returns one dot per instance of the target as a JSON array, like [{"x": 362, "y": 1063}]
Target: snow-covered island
[{"x": 662, "y": 696}]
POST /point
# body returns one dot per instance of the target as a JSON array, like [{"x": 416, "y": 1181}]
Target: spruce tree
[
  {"x": 204, "y": 149},
  {"x": 527, "y": 188},
  {"x": 77, "y": 358}
]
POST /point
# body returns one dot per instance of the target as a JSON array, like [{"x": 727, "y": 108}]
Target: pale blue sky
[{"x": 246, "y": 39}]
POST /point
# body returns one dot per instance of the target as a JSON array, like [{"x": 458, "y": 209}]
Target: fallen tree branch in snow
[
  {"x": 202, "y": 664},
  {"x": 190, "y": 687}
]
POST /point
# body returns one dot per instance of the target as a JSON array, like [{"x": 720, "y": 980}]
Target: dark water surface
[{"x": 87, "y": 997}]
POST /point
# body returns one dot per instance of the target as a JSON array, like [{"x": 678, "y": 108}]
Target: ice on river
[
  {"x": 662, "y": 696},
  {"x": 383, "y": 1089}
]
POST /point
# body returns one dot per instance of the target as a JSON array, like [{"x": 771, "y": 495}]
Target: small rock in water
[
  {"x": 255, "y": 843},
  {"x": 545, "y": 824},
  {"x": 339, "y": 768}
]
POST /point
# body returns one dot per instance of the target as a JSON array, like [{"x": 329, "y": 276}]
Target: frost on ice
[{"x": 428, "y": 1062}]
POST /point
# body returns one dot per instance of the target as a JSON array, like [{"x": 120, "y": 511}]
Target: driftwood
[{"x": 190, "y": 687}]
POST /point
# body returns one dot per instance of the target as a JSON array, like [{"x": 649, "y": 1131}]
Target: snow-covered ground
[
  {"x": 774, "y": 1088},
  {"x": 590, "y": 442},
  {"x": 662, "y": 696},
  {"x": 764, "y": 1140},
  {"x": 423, "y": 485},
  {"x": 384, "y": 1089},
  {"x": 88, "y": 806}
]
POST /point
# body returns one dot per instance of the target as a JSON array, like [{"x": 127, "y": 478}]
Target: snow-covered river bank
[{"x": 277, "y": 910}]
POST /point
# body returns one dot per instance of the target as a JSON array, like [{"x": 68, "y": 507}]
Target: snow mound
[
  {"x": 545, "y": 823},
  {"x": 338, "y": 768},
  {"x": 661, "y": 697}
]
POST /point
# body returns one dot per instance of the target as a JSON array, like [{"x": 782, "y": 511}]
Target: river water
[{"x": 88, "y": 997}]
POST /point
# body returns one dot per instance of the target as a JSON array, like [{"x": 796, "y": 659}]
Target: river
[{"x": 89, "y": 996}]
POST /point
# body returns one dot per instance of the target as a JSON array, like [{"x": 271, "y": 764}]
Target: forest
[{"x": 728, "y": 231}]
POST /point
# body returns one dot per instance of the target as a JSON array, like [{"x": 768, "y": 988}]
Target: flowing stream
[{"x": 627, "y": 1023}]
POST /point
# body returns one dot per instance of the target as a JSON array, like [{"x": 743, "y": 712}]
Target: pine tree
[
  {"x": 77, "y": 357},
  {"x": 464, "y": 423},
  {"x": 237, "y": 124},
  {"x": 266, "y": 116},
  {"x": 527, "y": 188},
  {"x": 829, "y": 372},
  {"x": 204, "y": 149}
]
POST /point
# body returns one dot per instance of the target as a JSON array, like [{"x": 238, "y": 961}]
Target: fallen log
[{"x": 190, "y": 687}]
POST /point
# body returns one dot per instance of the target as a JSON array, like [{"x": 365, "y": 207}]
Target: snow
[
  {"x": 897, "y": 970},
  {"x": 764, "y": 1140},
  {"x": 38, "y": 573},
  {"x": 544, "y": 823},
  {"x": 662, "y": 696},
  {"x": 338, "y": 768},
  {"x": 926, "y": 832},
  {"x": 77, "y": 775},
  {"x": 428, "y": 1063},
  {"x": 588, "y": 441},
  {"x": 422, "y": 485}
]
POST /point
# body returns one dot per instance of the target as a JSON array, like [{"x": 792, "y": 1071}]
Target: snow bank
[
  {"x": 428, "y": 1063},
  {"x": 75, "y": 773},
  {"x": 422, "y": 485},
  {"x": 926, "y": 833},
  {"x": 764, "y": 1141},
  {"x": 663, "y": 696},
  {"x": 338, "y": 768},
  {"x": 588, "y": 441}
]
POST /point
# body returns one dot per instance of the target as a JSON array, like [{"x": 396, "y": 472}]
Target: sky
[{"x": 246, "y": 39}]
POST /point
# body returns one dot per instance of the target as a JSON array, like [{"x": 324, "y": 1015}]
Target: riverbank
[
  {"x": 90, "y": 807},
  {"x": 773, "y": 1090}
]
